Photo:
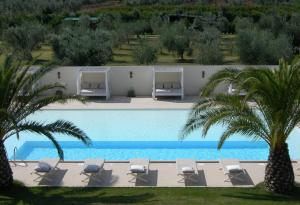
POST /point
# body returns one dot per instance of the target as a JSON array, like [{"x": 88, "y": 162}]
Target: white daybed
[
  {"x": 168, "y": 81},
  {"x": 93, "y": 82}
]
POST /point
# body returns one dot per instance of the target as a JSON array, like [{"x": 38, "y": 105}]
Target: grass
[
  {"x": 43, "y": 54},
  {"x": 18, "y": 194},
  {"x": 123, "y": 54}
]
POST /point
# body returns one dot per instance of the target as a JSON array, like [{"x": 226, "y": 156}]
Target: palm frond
[
  {"x": 15, "y": 109},
  {"x": 275, "y": 91}
]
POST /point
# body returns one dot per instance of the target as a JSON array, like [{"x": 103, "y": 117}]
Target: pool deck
[
  {"x": 120, "y": 102},
  {"x": 162, "y": 174}
]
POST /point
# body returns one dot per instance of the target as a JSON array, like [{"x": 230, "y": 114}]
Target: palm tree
[
  {"x": 18, "y": 100},
  {"x": 276, "y": 95}
]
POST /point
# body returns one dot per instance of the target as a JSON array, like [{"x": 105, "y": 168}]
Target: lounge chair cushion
[
  {"x": 167, "y": 85},
  {"x": 187, "y": 169},
  {"x": 159, "y": 86},
  {"x": 137, "y": 168},
  {"x": 91, "y": 168},
  {"x": 43, "y": 167},
  {"x": 234, "y": 168}
]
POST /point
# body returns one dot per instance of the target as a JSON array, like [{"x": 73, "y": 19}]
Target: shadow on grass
[
  {"x": 41, "y": 61},
  {"x": 19, "y": 194},
  {"x": 258, "y": 194}
]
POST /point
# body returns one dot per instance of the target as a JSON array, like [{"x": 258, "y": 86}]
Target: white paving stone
[{"x": 162, "y": 174}]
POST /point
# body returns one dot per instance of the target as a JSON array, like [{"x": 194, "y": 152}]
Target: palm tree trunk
[
  {"x": 6, "y": 175},
  {"x": 279, "y": 175}
]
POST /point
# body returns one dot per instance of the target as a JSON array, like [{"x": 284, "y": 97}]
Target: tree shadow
[
  {"x": 260, "y": 195},
  {"x": 53, "y": 195},
  {"x": 41, "y": 61}
]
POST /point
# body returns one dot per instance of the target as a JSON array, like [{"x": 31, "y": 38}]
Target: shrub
[
  {"x": 23, "y": 39},
  {"x": 262, "y": 47},
  {"x": 131, "y": 93},
  {"x": 83, "y": 47},
  {"x": 144, "y": 53}
]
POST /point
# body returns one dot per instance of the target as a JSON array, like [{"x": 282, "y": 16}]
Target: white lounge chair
[
  {"x": 233, "y": 169},
  {"x": 92, "y": 169},
  {"x": 43, "y": 167},
  {"x": 187, "y": 170},
  {"x": 139, "y": 169}
]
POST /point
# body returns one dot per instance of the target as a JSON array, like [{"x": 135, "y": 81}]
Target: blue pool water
[{"x": 125, "y": 134}]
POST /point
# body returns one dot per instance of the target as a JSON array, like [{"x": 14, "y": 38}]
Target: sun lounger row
[{"x": 139, "y": 169}]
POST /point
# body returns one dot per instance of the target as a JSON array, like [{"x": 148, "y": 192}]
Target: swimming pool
[{"x": 125, "y": 134}]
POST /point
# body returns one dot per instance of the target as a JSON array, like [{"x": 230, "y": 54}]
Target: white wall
[
  {"x": 141, "y": 80},
  {"x": 121, "y": 82}
]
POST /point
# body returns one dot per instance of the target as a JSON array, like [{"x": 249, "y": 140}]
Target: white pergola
[
  {"x": 164, "y": 85},
  {"x": 93, "y": 81}
]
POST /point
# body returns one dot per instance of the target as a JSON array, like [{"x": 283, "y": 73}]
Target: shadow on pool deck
[
  {"x": 106, "y": 178},
  {"x": 151, "y": 179},
  {"x": 246, "y": 180},
  {"x": 200, "y": 180},
  {"x": 53, "y": 178}
]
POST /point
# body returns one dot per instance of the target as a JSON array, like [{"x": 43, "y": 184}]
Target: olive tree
[
  {"x": 176, "y": 38},
  {"x": 23, "y": 39},
  {"x": 83, "y": 47},
  {"x": 208, "y": 46},
  {"x": 263, "y": 47},
  {"x": 145, "y": 53},
  {"x": 293, "y": 28}
]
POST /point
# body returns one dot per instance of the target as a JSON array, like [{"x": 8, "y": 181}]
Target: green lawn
[{"x": 169, "y": 196}]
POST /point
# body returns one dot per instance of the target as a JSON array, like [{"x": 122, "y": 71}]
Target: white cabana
[
  {"x": 168, "y": 81},
  {"x": 93, "y": 81}
]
